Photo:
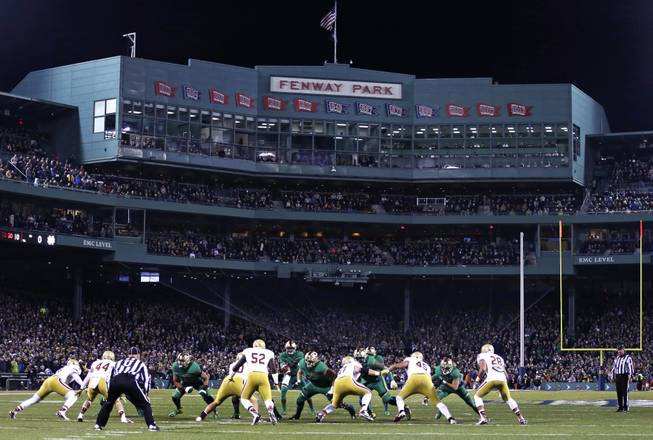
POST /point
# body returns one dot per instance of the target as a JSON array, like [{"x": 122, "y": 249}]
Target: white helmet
[
  {"x": 487, "y": 348},
  {"x": 417, "y": 355},
  {"x": 109, "y": 355},
  {"x": 291, "y": 347}
]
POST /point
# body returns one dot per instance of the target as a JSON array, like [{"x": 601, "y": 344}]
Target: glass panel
[
  {"x": 445, "y": 131},
  {"x": 302, "y": 141},
  {"x": 511, "y": 130},
  {"x": 295, "y": 126},
  {"x": 245, "y": 138},
  {"x": 363, "y": 130},
  {"x": 206, "y": 117},
  {"x": 549, "y": 130},
  {"x": 228, "y": 120},
  {"x": 177, "y": 129},
  {"x": 318, "y": 127},
  {"x": 374, "y": 130},
  {"x": 99, "y": 108},
  {"x": 160, "y": 110},
  {"x": 194, "y": 115},
  {"x": 472, "y": 132},
  {"x": 484, "y": 131},
  {"x": 420, "y": 131},
  {"x": 148, "y": 109},
  {"x": 284, "y": 125},
  {"x": 496, "y": 131},
  {"x": 138, "y": 108},
  {"x": 126, "y": 107},
  {"x": 250, "y": 123},
  {"x": 183, "y": 114},
  {"x": 98, "y": 125},
  {"x": 195, "y": 130},
  {"x": 324, "y": 142},
  {"x": 563, "y": 130},
  {"x": 148, "y": 126},
  {"x": 307, "y": 126},
  {"x": 458, "y": 131},
  {"x": 341, "y": 129},
  {"x": 131, "y": 125},
  {"x": 171, "y": 112},
  {"x": 111, "y": 106},
  {"x": 216, "y": 119},
  {"x": 160, "y": 128}
]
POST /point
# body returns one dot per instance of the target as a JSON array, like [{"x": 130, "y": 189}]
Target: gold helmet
[
  {"x": 311, "y": 359},
  {"x": 487, "y": 348},
  {"x": 239, "y": 355},
  {"x": 446, "y": 365},
  {"x": 417, "y": 355},
  {"x": 259, "y": 343},
  {"x": 184, "y": 359},
  {"x": 291, "y": 347},
  {"x": 109, "y": 355},
  {"x": 371, "y": 351},
  {"x": 347, "y": 360},
  {"x": 73, "y": 362}
]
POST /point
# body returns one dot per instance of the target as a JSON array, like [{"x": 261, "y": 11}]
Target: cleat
[
  {"x": 365, "y": 415},
  {"x": 372, "y": 414},
  {"x": 438, "y": 416},
  {"x": 62, "y": 415},
  {"x": 399, "y": 417},
  {"x": 273, "y": 419},
  {"x": 523, "y": 422},
  {"x": 126, "y": 420},
  {"x": 97, "y": 428},
  {"x": 235, "y": 417},
  {"x": 409, "y": 414},
  {"x": 386, "y": 412},
  {"x": 153, "y": 428},
  {"x": 175, "y": 413},
  {"x": 12, "y": 414},
  {"x": 293, "y": 417},
  {"x": 256, "y": 419},
  {"x": 198, "y": 419},
  {"x": 452, "y": 421},
  {"x": 283, "y": 412},
  {"x": 80, "y": 419},
  {"x": 619, "y": 410},
  {"x": 425, "y": 401},
  {"x": 311, "y": 411},
  {"x": 319, "y": 418},
  {"x": 482, "y": 422}
]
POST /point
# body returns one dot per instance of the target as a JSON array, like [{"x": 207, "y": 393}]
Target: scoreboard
[{"x": 38, "y": 238}]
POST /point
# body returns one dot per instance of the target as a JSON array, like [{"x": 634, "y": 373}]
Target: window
[
  {"x": 576, "y": 140},
  {"x": 104, "y": 117}
]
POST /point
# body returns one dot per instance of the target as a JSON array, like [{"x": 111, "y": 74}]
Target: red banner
[
  {"x": 487, "y": 109},
  {"x": 217, "y": 97},
  {"x": 244, "y": 100},
  {"x": 302, "y": 105},
  {"x": 272, "y": 103},
  {"x": 457, "y": 111},
  {"x": 515, "y": 109},
  {"x": 164, "y": 89}
]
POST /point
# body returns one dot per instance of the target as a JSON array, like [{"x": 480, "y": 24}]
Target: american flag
[{"x": 329, "y": 19}]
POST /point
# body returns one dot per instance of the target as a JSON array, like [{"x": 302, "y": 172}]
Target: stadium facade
[{"x": 318, "y": 125}]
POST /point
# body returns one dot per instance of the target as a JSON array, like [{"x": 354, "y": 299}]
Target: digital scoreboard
[{"x": 38, "y": 238}]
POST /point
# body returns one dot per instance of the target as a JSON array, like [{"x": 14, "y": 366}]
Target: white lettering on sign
[
  {"x": 313, "y": 86},
  {"x": 97, "y": 244},
  {"x": 596, "y": 260}
]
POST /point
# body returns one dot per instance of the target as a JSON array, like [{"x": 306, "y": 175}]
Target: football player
[
  {"x": 289, "y": 366},
  {"x": 229, "y": 389},
  {"x": 492, "y": 373},
  {"x": 448, "y": 380},
  {"x": 57, "y": 383},
  {"x": 418, "y": 382},
  {"x": 260, "y": 362},
  {"x": 317, "y": 379},
  {"x": 346, "y": 384},
  {"x": 187, "y": 376},
  {"x": 97, "y": 382},
  {"x": 371, "y": 359}
]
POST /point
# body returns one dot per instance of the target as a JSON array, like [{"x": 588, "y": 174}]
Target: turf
[{"x": 580, "y": 417}]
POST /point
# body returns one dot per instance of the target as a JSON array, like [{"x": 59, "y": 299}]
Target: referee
[
  {"x": 622, "y": 371},
  {"x": 131, "y": 378}
]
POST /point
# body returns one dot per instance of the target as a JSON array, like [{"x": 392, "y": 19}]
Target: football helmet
[
  {"x": 417, "y": 355},
  {"x": 109, "y": 355},
  {"x": 360, "y": 353},
  {"x": 487, "y": 348},
  {"x": 311, "y": 359},
  {"x": 239, "y": 355},
  {"x": 291, "y": 347},
  {"x": 347, "y": 360},
  {"x": 184, "y": 359},
  {"x": 371, "y": 351},
  {"x": 259, "y": 343},
  {"x": 446, "y": 365},
  {"x": 73, "y": 362}
]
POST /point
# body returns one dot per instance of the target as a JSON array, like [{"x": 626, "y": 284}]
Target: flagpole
[{"x": 335, "y": 35}]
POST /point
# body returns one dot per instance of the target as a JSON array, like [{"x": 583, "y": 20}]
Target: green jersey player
[
  {"x": 369, "y": 358},
  {"x": 316, "y": 378},
  {"x": 448, "y": 380},
  {"x": 289, "y": 366},
  {"x": 187, "y": 376}
]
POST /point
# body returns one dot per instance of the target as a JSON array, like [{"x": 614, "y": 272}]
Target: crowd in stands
[
  {"x": 447, "y": 251},
  {"x": 628, "y": 188},
  {"x": 39, "y": 336}
]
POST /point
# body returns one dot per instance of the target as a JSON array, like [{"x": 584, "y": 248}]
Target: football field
[{"x": 563, "y": 414}]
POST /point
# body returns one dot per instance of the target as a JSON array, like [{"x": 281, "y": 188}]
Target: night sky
[{"x": 603, "y": 47}]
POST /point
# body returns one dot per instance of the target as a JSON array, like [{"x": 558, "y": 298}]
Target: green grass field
[{"x": 580, "y": 417}]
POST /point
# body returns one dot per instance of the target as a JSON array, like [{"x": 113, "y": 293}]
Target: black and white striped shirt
[
  {"x": 135, "y": 368},
  {"x": 623, "y": 365}
]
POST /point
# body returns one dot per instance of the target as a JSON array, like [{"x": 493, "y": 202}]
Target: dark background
[{"x": 604, "y": 47}]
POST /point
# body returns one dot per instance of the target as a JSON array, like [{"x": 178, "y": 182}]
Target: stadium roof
[{"x": 22, "y": 106}]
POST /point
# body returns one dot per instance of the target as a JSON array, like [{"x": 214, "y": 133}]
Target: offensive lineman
[
  {"x": 259, "y": 361},
  {"x": 187, "y": 375},
  {"x": 229, "y": 389},
  {"x": 57, "y": 383},
  {"x": 289, "y": 366},
  {"x": 492, "y": 369},
  {"x": 448, "y": 380},
  {"x": 317, "y": 379},
  {"x": 97, "y": 382},
  {"x": 418, "y": 382},
  {"x": 346, "y": 384}
]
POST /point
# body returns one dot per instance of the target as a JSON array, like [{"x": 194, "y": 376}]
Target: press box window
[{"x": 104, "y": 117}]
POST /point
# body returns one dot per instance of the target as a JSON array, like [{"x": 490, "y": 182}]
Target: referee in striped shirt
[
  {"x": 622, "y": 371},
  {"x": 131, "y": 378}
]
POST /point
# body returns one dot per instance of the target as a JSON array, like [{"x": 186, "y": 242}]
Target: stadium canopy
[{"x": 30, "y": 108}]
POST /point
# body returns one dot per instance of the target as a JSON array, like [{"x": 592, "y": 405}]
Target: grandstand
[{"x": 180, "y": 213}]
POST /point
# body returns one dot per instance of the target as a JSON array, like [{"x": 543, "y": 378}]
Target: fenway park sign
[{"x": 335, "y": 87}]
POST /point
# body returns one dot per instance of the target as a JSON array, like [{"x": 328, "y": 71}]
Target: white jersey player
[
  {"x": 58, "y": 383},
  {"x": 97, "y": 382},
  {"x": 259, "y": 363},
  {"x": 346, "y": 384},
  {"x": 492, "y": 373}
]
